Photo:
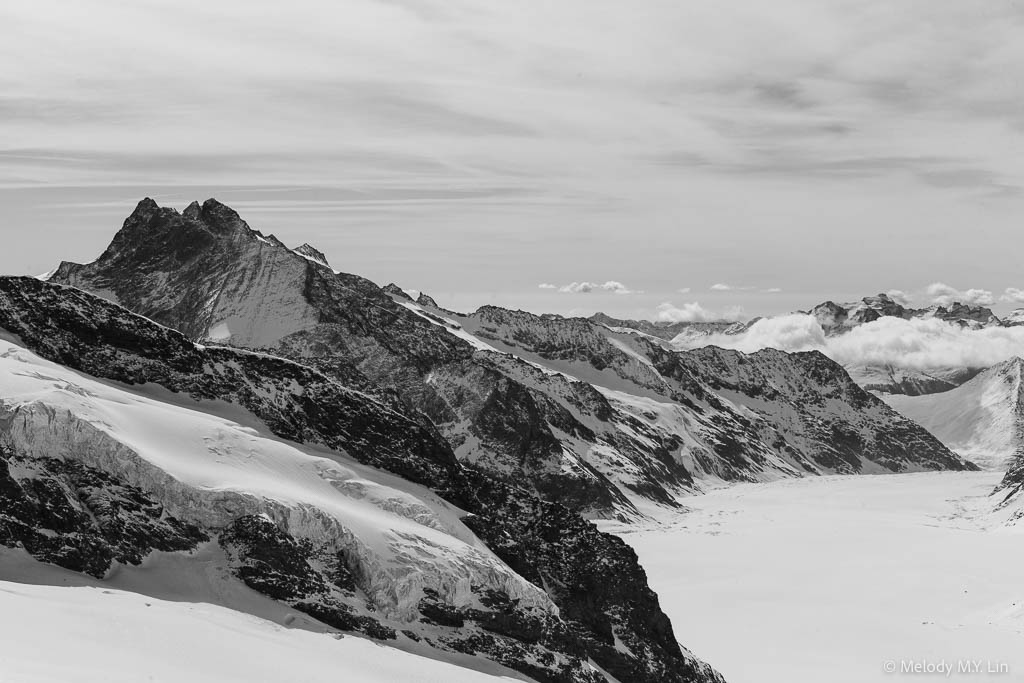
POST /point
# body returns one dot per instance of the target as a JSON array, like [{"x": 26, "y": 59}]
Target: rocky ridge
[
  {"x": 592, "y": 581},
  {"x": 593, "y": 416}
]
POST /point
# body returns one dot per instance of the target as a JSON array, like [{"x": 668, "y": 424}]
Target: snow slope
[
  {"x": 982, "y": 420},
  {"x": 94, "y": 635},
  {"x": 210, "y": 470},
  {"x": 827, "y": 579}
]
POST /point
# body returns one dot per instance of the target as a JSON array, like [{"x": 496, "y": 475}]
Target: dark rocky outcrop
[
  {"x": 594, "y": 578},
  {"x": 81, "y": 518}
]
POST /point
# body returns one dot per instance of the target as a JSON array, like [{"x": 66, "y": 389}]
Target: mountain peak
[
  {"x": 392, "y": 288},
  {"x": 221, "y": 217},
  {"x": 1010, "y": 367},
  {"x": 312, "y": 253},
  {"x": 193, "y": 211},
  {"x": 146, "y": 205},
  {"x": 424, "y": 300}
]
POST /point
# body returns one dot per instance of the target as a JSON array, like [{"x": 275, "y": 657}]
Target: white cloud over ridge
[
  {"x": 900, "y": 297},
  {"x": 1013, "y": 295},
  {"x": 920, "y": 344},
  {"x": 693, "y": 312},
  {"x": 944, "y": 295}
]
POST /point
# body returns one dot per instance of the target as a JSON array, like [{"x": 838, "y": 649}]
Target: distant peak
[
  {"x": 1009, "y": 368},
  {"x": 145, "y": 206},
  {"x": 1015, "y": 364},
  {"x": 312, "y": 253},
  {"x": 193, "y": 211},
  {"x": 424, "y": 300},
  {"x": 394, "y": 289},
  {"x": 221, "y": 216}
]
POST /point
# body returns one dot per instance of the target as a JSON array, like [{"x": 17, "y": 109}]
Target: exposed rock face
[
  {"x": 426, "y": 301},
  {"x": 207, "y": 274},
  {"x": 670, "y": 330},
  {"x": 889, "y": 379},
  {"x": 1014, "y": 318},
  {"x": 742, "y": 416},
  {"x": 81, "y": 518},
  {"x": 395, "y": 290},
  {"x": 313, "y": 254},
  {"x": 597, "y": 591},
  {"x": 818, "y": 409},
  {"x": 838, "y": 318},
  {"x": 592, "y": 415}
]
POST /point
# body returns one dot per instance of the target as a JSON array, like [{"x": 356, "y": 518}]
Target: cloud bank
[
  {"x": 1013, "y": 295},
  {"x": 920, "y": 344},
  {"x": 944, "y": 295},
  {"x": 695, "y": 313},
  {"x": 611, "y": 286}
]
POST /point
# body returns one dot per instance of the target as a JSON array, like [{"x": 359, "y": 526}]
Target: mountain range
[{"x": 381, "y": 465}]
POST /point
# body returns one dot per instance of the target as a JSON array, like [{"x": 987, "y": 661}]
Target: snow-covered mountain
[
  {"x": 838, "y": 318},
  {"x": 122, "y": 438},
  {"x": 745, "y": 416},
  {"x": 204, "y": 396},
  {"x": 600, "y": 418},
  {"x": 982, "y": 420}
]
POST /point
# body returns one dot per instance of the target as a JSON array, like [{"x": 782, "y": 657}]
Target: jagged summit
[
  {"x": 392, "y": 288},
  {"x": 312, "y": 253},
  {"x": 524, "y": 544},
  {"x": 475, "y": 377},
  {"x": 424, "y": 300},
  {"x": 671, "y": 330},
  {"x": 1011, "y": 367},
  {"x": 836, "y": 318},
  {"x": 1014, "y": 317}
]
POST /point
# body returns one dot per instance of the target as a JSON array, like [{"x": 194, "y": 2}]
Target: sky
[{"x": 673, "y": 159}]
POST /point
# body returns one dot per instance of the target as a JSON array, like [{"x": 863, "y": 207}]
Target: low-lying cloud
[{"x": 920, "y": 344}]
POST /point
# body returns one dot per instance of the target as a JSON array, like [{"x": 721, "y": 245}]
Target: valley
[{"x": 829, "y": 578}]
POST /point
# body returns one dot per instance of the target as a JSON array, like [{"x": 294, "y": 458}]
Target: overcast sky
[{"x": 669, "y": 157}]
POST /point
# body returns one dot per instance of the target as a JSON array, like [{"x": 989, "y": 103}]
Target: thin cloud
[
  {"x": 722, "y": 287},
  {"x": 611, "y": 286},
  {"x": 547, "y": 285}
]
